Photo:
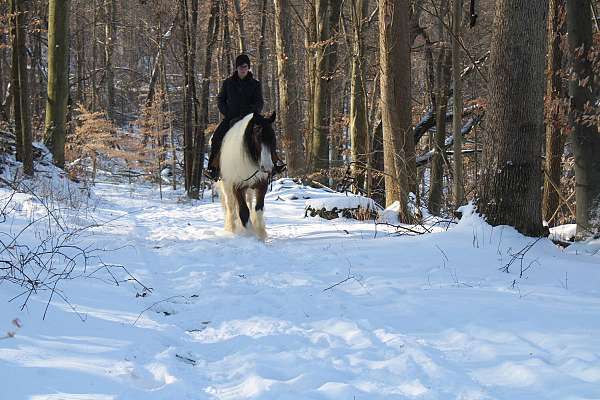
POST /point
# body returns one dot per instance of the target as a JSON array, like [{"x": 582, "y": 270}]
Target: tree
[
  {"x": 585, "y": 138},
  {"x": 110, "y": 30},
  {"x": 18, "y": 10},
  {"x": 359, "y": 135},
  {"x": 240, "y": 25},
  {"x": 320, "y": 135},
  {"x": 510, "y": 193},
  {"x": 189, "y": 27},
  {"x": 395, "y": 76},
  {"x": 289, "y": 99},
  {"x": 555, "y": 95},
  {"x": 457, "y": 182},
  {"x": 58, "y": 78},
  {"x": 198, "y": 154}
]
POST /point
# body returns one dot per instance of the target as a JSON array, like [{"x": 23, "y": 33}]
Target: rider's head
[{"x": 242, "y": 65}]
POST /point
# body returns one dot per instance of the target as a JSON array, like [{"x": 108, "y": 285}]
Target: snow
[
  {"x": 563, "y": 232},
  {"x": 339, "y": 309}
]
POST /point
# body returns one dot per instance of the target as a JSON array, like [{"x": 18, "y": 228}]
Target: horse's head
[{"x": 260, "y": 140}]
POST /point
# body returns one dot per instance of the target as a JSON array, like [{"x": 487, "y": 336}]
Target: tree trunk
[
  {"x": 309, "y": 42},
  {"x": 188, "y": 92},
  {"x": 58, "y": 78},
  {"x": 510, "y": 193},
  {"x": 289, "y": 101},
  {"x": 335, "y": 86},
  {"x": 457, "y": 181},
  {"x": 3, "y": 84},
  {"x": 240, "y": 25},
  {"x": 15, "y": 32},
  {"x": 555, "y": 93},
  {"x": 94, "y": 99},
  {"x": 585, "y": 139},
  {"x": 321, "y": 116},
  {"x": 110, "y": 12},
  {"x": 165, "y": 88},
  {"x": 211, "y": 41},
  {"x": 20, "y": 79},
  {"x": 437, "y": 162},
  {"x": 395, "y": 70},
  {"x": 227, "y": 54},
  {"x": 262, "y": 48},
  {"x": 359, "y": 128},
  {"x": 156, "y": 68},
  {"x": 441, "y": 96}
]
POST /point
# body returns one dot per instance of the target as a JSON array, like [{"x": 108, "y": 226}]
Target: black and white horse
[{"x": 246, "y": 165}]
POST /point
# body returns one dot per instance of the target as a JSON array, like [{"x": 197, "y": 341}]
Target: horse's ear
[{"x": 272, "y": 117}]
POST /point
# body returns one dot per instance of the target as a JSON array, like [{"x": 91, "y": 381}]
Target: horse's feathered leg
[
  {"x": 229, "y": 204},
  {"x": 244, "y": 212},
  {"x": 259, "y": 220}
]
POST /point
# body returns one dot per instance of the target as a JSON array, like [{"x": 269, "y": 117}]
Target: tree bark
[
  {"x": 585, "y": 137},
  {"x": 240, "y": 25},
  {"x": 321, "y": 116},
  {"x": 510, "y": 193},
  {"x": 189, "y": 17},
  {"x": 555, "y": 93},
  {"x": 457, "y": 181},
  {"x": 395, "y": 75},
  {"x": 359, "y": 128},
  {"x": 58, "y": 78},
  {"x": 228, "y": 56},
  {"x": 309, "y": 42},
  {"x": 289, "y": 99},
  {"x": 110, "y": 30},
  {"x": 262, "y": 47},
  {"x": 211, "y": 40},
  {"x": 20, "y": 79},
  {"x": 158, "y": 61},
  {"x": 437, "y": 162}
]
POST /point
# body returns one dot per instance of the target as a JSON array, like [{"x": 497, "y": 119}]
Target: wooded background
[{"x": 430, "y": 103}]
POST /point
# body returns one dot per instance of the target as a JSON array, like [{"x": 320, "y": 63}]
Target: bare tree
[
  {"x": 555, "y": 94},
  {"x": 289, "y": 99},
  {"x": 240, "y": 26},
  {"x": 320, "y": 135},
  {"x": 395, "y": 75},
  {"x": 457, "y": 183},
  {"x": 510, "y": 193},
  {"x": 58, "y": 78},
  {"x": 20, "y": 84},
  {"x": 110, "y": 30},
  {"x": 359, "y": 127},
  {"x": 198, "y": 154},
  {"x": 585, "y": 137}
]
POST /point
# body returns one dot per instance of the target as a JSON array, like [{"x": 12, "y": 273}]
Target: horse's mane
[{"x": 268, "y": 134}]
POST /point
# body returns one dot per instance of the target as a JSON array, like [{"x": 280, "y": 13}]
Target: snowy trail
[{"x": 427, "y": 317}]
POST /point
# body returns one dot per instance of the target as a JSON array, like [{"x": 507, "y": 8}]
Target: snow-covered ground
[{"x": 335, "y": 309}]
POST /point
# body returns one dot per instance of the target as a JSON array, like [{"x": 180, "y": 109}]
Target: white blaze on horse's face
[{"x": 266, "y": 163}]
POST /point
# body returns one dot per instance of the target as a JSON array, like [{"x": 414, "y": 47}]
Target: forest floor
[{"x": 337, "y": 309}]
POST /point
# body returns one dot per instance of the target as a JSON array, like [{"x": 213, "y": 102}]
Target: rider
[{"x": 239, "y": 96}]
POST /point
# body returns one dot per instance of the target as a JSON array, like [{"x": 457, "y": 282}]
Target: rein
[
  {"x": 254, "y": 174},
  {"x": 251, "y": 176}
]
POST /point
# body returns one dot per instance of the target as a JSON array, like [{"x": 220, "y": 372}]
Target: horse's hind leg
[
  {"x": 229, "y": 206},
  {"x": 259, "y": 219}
]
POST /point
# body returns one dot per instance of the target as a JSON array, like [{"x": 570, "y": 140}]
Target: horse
[{"x": 246, "y": 165}]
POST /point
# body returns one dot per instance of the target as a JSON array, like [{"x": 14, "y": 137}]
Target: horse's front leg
[
  {"x": 228, "y": 202},
  {"x": 259, "y": 219},
  {"x": 240, "y": 196}
]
